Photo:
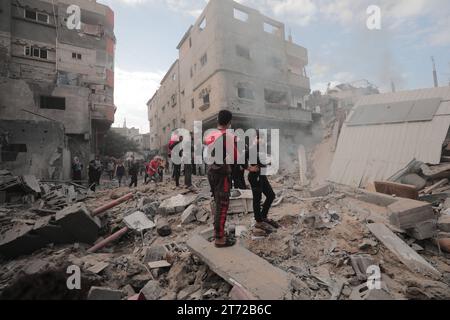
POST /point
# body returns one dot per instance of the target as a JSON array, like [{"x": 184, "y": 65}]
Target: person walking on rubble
[
  {"x": 77, "y": 168},
  {"x": 260, "y": 185},
  {"x": 133, "y": 171},
  {"x": 176, "y": 167},
  {"x": 219, "y": 177},
  {"x": 120, "y": 172}
]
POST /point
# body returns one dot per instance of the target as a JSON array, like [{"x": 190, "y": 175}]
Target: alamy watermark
[
  {"x": 373, "y": 21},
  {"x": 209, "y": 148}
]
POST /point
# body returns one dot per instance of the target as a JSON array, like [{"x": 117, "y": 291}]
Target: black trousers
[
  {"x": 134, "y": 180},
  {"x": 220, "y": 188},
  {"x": 177, "y": 173},
  {"x": 237, "y": 176},
  {"x": 260, "y": 185},
  {"x": 188, "y": 175}
]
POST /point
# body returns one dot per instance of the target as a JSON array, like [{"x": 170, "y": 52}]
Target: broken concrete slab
[
  {"x": 397, "y": 189},
  {"x": 138, "y": 221},
  {"x": 361, "y": 264},
  {"x": 152, "y": 290},
  {"x": 99, "y": 267},
  {"x": 423, "y": 230},
  {"x": 188, "y": 215},
  {"x": 176, "y": 204},
  {"x": 155, "y": 253},
  {"x": 262, "y": 280},
  {"x": 32, "y": 183},
  {"x": 35, "y": 266},
  {"x": 321, "y": 191},
  {"x": 77, "y": 221},
  {"x": 406, "y": 213},
  {"x": 47, "y": 228},
  {"x": 404, "y": 253},
  {"x": 103, "y": 293},
  {"x": 159, "y": 264},
  {"x": 240, "y": 202},
  {"x": 444, "y": 223},
  {"x": 415, "y": 180},
  {"x": 20, "y": 240}
]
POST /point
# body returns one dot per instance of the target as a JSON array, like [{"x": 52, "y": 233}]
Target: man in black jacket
[{"x": 260, "y": 185}]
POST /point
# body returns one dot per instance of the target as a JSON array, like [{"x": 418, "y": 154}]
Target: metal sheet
[{"x": 395, "y": 112}]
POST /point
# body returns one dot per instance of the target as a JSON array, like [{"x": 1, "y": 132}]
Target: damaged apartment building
[
  {"x": 233, "y": 58},
  {"x": 56, "y": 83}
]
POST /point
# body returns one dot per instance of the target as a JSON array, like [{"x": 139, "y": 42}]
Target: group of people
[{"x": 222, "y": 176}]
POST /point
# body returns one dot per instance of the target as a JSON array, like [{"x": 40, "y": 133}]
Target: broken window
[
  {"x": 42, "y": 17},
  {"x": 192, "y": 104},
  {"x": 271, "y": 28},
  {"x": 206, "y": 99},
  {"x": 276, "y": 62},
  {"x": 190, "y": 42},
  {"x": 57, "y": 103},
  {"x": 174, "y": 77},
  {"x": 276, "y": 97},
  {"x": 9, "y": 152},
  {"x": 243, "y": 52},
  {"x": 204, "y": 60},
  {"x": 36, "y": 52},
  {"x": 36, "y": 16},
  {"x": 29, "y": 14},
  {"x": 245, "y": 93},
  {"x": 240, "y": 15},
  {"x": 202, "y": 24},
  {"x": 76, "y": 56},
  {"x": 174, "y": 100}
]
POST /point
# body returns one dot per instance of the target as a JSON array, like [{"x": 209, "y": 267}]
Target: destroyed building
[
  {"x": 56, "y": 84},
  {"x": 385, "y": 132},
  {"x": 233, "y": 58}
]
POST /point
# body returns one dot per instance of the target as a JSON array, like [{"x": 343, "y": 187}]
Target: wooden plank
[
  {"x": 238, "y": 266},
  {"x": 158, "y": 264},
  {"x": 404, "y": 253},
  {"x": 99, "y": 267},
  {"x": 398, "y": 189},
  {"x": 435, "y": 186}
]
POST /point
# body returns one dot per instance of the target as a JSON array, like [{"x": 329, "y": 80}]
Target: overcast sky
[{"x": 340, "y": 47}]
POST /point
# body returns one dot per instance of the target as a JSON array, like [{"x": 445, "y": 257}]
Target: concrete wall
[{"x": 44, "y": 142}]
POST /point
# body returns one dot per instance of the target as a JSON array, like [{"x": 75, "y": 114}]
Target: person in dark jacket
[
  {"x": 260, "y": 185},
  {"x": 120, "y": 172},
  {"x": 177, "y": 167},
  {"x": 77, "y": 168},
  {"x": 92, "y": 174},
  {"x": 133, "y": 171}
]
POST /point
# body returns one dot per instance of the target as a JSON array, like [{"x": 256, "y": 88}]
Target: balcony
[
  {"x": 103, "y": 112},
  {"x": 298, "y": 80},
  {"x": 297, "y": 51}
]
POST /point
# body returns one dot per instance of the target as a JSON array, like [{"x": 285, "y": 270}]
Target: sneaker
[
  {"x": 264, "y": 226},
  {"x": 272, "y": 223}
]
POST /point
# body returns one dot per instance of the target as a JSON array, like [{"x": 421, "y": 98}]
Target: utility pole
[{"x": 434, "y": 73}]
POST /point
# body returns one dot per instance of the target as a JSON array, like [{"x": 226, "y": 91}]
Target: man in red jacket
[
  {"x": 219, "y": 177},
  {"x": 152, "y": 169}
]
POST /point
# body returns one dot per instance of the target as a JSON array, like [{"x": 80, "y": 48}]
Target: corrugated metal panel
[
  {"x": 375, "y": 152},
  {"x": 395, "y": 112}
]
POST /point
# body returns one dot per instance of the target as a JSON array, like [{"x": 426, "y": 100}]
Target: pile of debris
[
  {"x": 424, "y": 213},
  {"x": 45, "y": 196}
]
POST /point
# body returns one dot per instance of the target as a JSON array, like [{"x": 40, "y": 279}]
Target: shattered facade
[
  {"x": 50, "y": 73},
  {"x": 233, "y": 58}
]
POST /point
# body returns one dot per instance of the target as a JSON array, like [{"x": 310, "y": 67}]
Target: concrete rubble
[{"x": 155, "y": 241}]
